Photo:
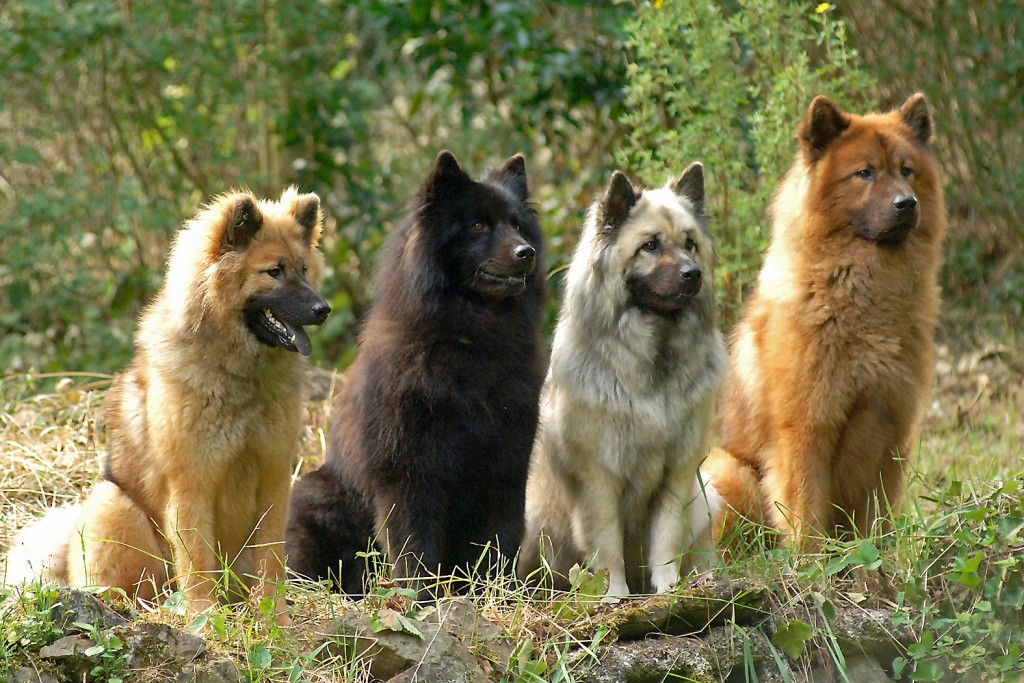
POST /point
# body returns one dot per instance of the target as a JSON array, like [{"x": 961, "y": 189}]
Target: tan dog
[
  {"x": 832, "y": 361},
  {"x": 203, "y": 424}
]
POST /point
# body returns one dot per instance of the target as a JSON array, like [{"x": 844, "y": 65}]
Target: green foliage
[
  {"x": 26, "y": 623},
  {"x": 791, "y": 638},
  {"x": 118, "y": 121},
  {"x": 967, "y": 56},
  {"x": 395, "y": 609},
  {"x": 965, "y": 592},
  {"x": 108, "y": 648},
  {"x": 726, "y": 84},
  {"x": 586, "y": 588}
]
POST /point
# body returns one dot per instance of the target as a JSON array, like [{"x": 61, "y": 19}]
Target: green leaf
[
  {"x": 94, "y": 650},
  {"x": 866, "y": 555},
  {"x": 27, "y": 155},
  {"x": 898, "y": 665},
  {"x": 260, "y": 657},
  {"x": 791, "y": 638},
  {"x": 199, "y": 623},
  {"x": 408, "y": 626},
  {"x": 928, "y": 670}
]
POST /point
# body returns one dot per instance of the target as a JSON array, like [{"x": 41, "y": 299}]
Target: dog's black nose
[
  {"x": 904, "y": 202},
  {"x": 524, "y": 252},
  {"x": 690, "y": 274},
  {"x": 321, "y": 310}
]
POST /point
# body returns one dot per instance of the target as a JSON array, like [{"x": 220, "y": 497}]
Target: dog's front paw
[{"x": 616, "y": 591}]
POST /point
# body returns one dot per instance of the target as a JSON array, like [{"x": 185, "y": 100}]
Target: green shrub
[{"x": 726, "y": 84}]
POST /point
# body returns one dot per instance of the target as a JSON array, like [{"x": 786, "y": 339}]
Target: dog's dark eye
[
  {"x": 690, "y": 245},
  {"x": 906, "y": 171},
  {"x": 651, "y": 245},
  {"x": 479, "y": 226},
  {"x": 305, "y": 269},
  {"x": 865, "y": 173},
  {"x": 274, "y": 272}
]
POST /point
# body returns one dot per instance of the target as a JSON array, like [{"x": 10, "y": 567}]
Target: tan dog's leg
[
  {"x": 196, "y": 564},
  {"x": 117, "y": 545},
  {"x": 268, "y": 547}
]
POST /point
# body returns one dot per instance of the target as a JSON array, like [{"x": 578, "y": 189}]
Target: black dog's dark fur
[{"x": 431, "y": 434}]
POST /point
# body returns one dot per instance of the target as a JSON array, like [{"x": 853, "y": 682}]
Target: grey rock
[
  {"x": 218, "y": 671},
  {"x": 74, "y": 605},
  {"x": 149, "y": 645},
  {"x": 737, "y": 652},
  {"x": 460, "y": 618},
  {"x": 29, "y": 675},
  {"x": 654, "y": 659},
  {"x": 69, "y": 654},
  {"x": 391, "y": 653},
  {"x": 705, "y": 603},
  {"x": 858, "y": 670},
  {"x": 66, "y": 647},
  {"x": 435, "y": 673},
  {"x": 869, "y": 631}
]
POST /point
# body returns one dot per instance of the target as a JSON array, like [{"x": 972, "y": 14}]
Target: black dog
[{"x": 431, "y": 435}]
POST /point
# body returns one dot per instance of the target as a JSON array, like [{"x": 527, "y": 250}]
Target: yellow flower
[
  {"x": 823, "y": 7},
  {"x": 658, "y": 4}
]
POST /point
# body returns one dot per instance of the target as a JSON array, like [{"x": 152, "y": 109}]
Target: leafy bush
[
  {"x": 727, "y": 84},
  {"x": 963, "y": 589},
  {"x": 117, "y": 121},
  {"x": 968, "y": 58}
]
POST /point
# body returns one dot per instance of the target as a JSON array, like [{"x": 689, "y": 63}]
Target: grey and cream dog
[{"x": 636, "y": 364}]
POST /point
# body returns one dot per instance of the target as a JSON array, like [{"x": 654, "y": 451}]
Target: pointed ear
[
  {"x": 618, "y": 200},
  {"x": 512, "y": 175},
  {"x": 306, "y": 210},
  {"x": 821, "y": 125},
  {"x": 691, "y": 186},
  {"x": 917, "y": 116},
  {"x": 445, "y": 175},
  {"x": 242, "y": 221}
]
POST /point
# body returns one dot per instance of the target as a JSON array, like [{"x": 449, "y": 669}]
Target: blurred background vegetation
[{"x": 119, "y": 117}]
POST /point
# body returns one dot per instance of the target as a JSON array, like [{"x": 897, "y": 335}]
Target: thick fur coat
[
  {"x": 204, "y": 424},
  {"x": 635, "y": 366},
  {"x": 832, "y": 361},
  {"x": 431, "y": 434}
]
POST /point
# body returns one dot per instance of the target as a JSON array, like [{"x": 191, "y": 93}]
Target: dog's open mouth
[
  {"x": 504, "y": 285},
  {"x": 277, "y": 333}
]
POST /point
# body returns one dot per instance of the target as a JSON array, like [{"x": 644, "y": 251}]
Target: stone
[
  {"x": 870, "y": 631},
  {"x": 69, "y": 654},
  {"x": 694, "y": 609},
  {"x": 149, "y": 644},
  {"x": 29, "y": 675},
  {"x": 486, "y": 639},
  {"x": 75, "y": 605},
  {"x": 654, "y": 659},
  {"x": 218, "y": 671},
  {"x": 391, "y": 653},
  {"x": 858, "y": 670},
  {"x": 739, "y": 652}
]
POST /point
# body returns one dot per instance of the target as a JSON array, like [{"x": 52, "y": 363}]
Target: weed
[{"x": 113, "y": 661}]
